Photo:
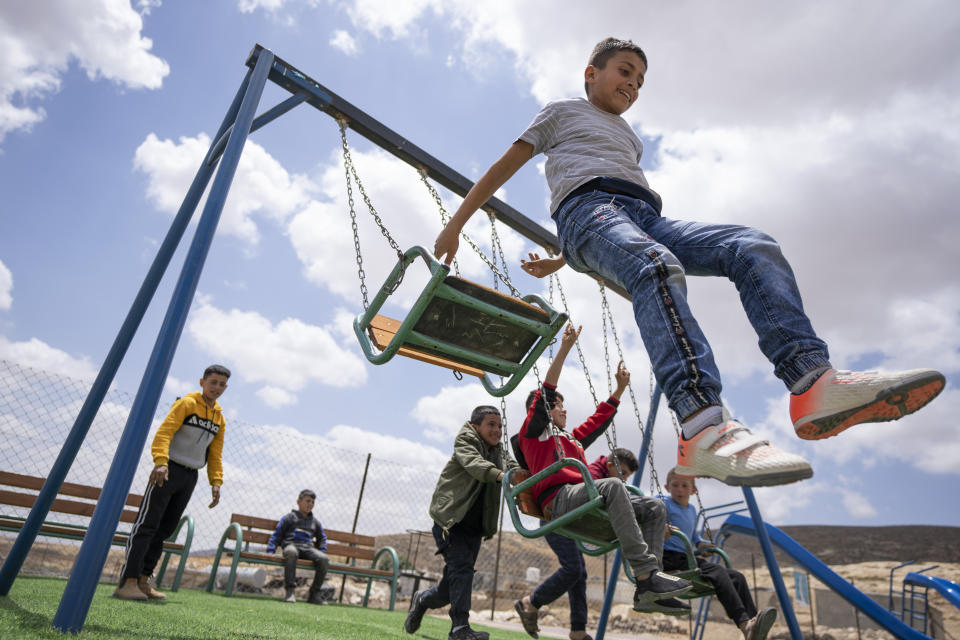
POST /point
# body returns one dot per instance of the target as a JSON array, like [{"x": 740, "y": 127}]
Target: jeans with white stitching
[{"x": 625, "y": 240}]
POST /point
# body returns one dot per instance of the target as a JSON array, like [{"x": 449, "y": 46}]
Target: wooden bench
[
  {"x": 84, "y": 508},
  {"x": 246, "y": 530}
]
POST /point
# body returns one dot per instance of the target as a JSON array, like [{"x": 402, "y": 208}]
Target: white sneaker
[
  {"x": 734, "y": 456},
  {"x": 840, "y": 399}
]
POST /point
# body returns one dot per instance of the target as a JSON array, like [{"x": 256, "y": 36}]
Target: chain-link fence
[{"x": 264, "y": 470}]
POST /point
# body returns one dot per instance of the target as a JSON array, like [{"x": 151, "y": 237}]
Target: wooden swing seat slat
[
  {"x": 525, "y": 502},
  {"x": 382, "y": 330}
]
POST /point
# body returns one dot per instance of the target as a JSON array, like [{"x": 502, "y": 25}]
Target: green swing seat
[
  {"x": 518, "y": 485},
  {"x": 460, "y": 325},
  {"x": 701, "y": 588}
]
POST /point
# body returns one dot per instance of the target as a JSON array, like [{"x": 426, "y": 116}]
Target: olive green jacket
[{"x": 472, "y": 468}]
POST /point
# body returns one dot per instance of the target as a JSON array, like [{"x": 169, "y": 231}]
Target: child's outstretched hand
[
  {"x": 622, "y": 376},
  {"x": 623, "y": 379},
  {"x": 570, "y": 335},
  {"x": 446, "y": 245},
  {"x": 541, "y": 267}
]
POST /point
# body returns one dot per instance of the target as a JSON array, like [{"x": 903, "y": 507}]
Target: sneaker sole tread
[
  {"x": 890, "y": 404},
  {"x": 758, "y": 480}
]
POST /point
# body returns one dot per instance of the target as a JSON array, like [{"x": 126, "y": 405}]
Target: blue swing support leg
[
  {"x": 71, "y": 446},
  {"x": 78, "y": 594}
]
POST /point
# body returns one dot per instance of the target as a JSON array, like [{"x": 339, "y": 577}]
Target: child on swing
[
  {"x": 637, "y": 522},
  {"x": 571, "y": 577},
  {"x": 730, "y": 585},
  {"x": 609, "y": 223}
]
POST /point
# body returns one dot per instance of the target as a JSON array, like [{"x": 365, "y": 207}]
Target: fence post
[
  {"x": 356, "y": 516},
  {"x": 496, "y": 565}
]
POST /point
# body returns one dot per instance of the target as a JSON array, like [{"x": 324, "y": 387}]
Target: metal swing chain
[
  {"x": 503, "y": 278},
  {"x": 353, "y": 220},
  {"x": 352, "y": 171},
  {"x": 611, "y": 444},
  {"x": 608, "y": 314},
  {"x": 444, "y": 215}
]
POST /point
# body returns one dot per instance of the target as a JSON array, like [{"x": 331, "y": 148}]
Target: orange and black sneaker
[{"x": 840, "y": 399}]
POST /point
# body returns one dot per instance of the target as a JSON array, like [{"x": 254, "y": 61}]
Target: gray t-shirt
[{"x": 582, "y": 142}]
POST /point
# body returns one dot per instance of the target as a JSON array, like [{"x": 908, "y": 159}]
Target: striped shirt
[{"x": 582, "y": 142}]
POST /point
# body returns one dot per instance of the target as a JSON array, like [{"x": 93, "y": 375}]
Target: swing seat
[
  {"x": 517, "y": 487},
  {"x": 460, "y": 325},
  {"x": 701, "y": 588}
]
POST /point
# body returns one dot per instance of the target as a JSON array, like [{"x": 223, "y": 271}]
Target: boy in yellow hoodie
[{"x": 190, "y": 437}]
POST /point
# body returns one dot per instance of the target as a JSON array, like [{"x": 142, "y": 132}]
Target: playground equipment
[
  {"x": 225, "y": 150},
  {"x": 893, "y": 621}
]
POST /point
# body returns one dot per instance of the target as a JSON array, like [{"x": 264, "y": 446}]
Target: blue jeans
[
  {"x": 460, "y": 551},
  {"x": 625, "y": 240},
  {"x": 570, "y": 578}
]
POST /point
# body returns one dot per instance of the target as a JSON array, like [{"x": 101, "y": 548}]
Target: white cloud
[
  {"x": 398, "y": 450},
  {"x": 857, "y": 505},
  {"x": 275, "y": 397},
  {"x": 40, "y": 39},
  {"x": 343, "y": 41},
  {"x": 261, "y": 186},
  {"x": 249, "y": 6},
  {"x": 179, "y": 388},
  {"x": 147, "y": 6},
  {"x": 38, "y": 355},
  {"x": 6, "y": 286},
  {"x": 291, "y": 351}
]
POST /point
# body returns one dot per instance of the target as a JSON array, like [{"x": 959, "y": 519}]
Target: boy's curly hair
[{"x": 607, "y": 48}]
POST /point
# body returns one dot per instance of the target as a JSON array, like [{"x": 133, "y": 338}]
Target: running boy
[
  {"x": 464, "y": 508},
  {"x": 300, "y": 535},
  {"x": 190, "y": 437},
  {"x": 730, "y": 585},
  {"x": 637, "y": 522},
  {"x": 609, "y": 223},
  {"x": 571, "y": 577}
]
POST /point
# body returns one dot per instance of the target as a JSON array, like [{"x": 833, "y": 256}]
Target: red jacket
[
  {"x": 539, "y": 446},
  {"x": 598, "y": 468}
]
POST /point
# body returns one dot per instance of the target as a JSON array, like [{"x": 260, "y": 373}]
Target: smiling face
[
  {"x": 614, "y": 87},
  {"x": 558, "y": 414},
  {"x": 489, "y": 429},
  {"x": 213, "y": 387},
  {"x": 681, "y": 488}
]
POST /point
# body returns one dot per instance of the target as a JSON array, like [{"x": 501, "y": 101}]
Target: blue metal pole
[
  {"x": 785, "y": 605},
  {"x": 615, "y": 569},
  {"x": 68, "y": 453},
  {"x": 80, "y": 588}
]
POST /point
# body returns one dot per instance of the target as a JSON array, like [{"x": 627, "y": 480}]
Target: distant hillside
[
  {"x": 833, "y": 545},
  {"x": 851, "y": 545}
]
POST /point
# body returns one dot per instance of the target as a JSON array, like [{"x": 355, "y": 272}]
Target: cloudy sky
[{"x": 834, "y": 126}]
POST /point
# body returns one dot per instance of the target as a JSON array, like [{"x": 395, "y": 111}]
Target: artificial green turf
[{"x": 27, "y": 613}]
